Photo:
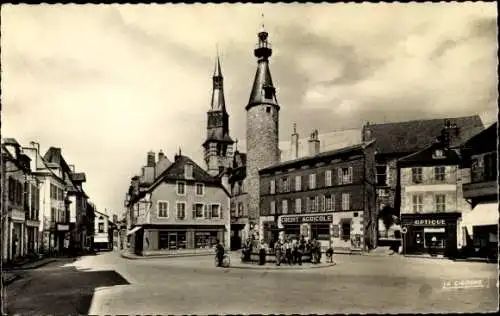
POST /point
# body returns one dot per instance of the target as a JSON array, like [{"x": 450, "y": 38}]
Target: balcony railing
[{"x": 478, "y": 189}]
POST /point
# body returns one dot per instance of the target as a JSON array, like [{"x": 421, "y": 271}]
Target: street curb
[
  {"x": 164, "y": 256},
  {"x": 36, "y": 266},
  {"x": 282, "y": 267},
  {"x": 10, "y": 280}
]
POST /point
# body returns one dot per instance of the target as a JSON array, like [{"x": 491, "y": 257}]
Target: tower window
[{"x": 268, "y": 109}]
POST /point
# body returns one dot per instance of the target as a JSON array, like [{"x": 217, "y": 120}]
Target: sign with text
[
  {"x": 328, "y": 218},
  {"x": 429, "y": 222}
]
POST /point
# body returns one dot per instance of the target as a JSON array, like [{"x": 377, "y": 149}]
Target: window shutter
[
  {"x": 339, "y": 176},
  {"x": 193, "y": 211},
  {"x": 350, "y": 175},
  {"x": 324, "y": 203},
  {"x": 221, "y": 209}
]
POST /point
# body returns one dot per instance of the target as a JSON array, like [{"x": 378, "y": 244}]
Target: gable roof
[
  {"x": 416, "y": 135},
  {"x": 483, "y": 141},
  {"x": 427, "y": 157},
  {"x": 176, "y": 172}
]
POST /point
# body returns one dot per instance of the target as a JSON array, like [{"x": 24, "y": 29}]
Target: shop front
[
  {"x": 175, "y": 238},
  {"x": 433, "y": 233},
  {"x": 311, "y": 226}
]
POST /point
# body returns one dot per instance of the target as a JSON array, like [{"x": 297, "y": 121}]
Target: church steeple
[
  {"x": 263, "y": 91},
  {"x": 218, "y": 102},
  {"x": 218, "y": 144}
]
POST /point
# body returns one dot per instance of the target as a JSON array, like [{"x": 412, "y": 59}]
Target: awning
[
  {"x": 134, "y": 230},
  {"x": 483, "y": 214}
]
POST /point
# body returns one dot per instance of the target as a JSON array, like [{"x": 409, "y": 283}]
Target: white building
[{"x": 101, "y": 231}]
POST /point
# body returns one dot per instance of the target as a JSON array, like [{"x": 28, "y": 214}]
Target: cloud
[{"x": 108, "y": 83}]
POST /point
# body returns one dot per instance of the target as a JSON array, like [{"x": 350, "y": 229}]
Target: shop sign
[
  {"x": 429, "y": 222},
  {"x": 62, "y": 228},
  {"x": 307, "y": 219}
]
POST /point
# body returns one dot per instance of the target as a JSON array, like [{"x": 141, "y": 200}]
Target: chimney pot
[{"x": 314, "y": 144}]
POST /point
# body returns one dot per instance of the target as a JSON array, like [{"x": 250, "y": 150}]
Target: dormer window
[
  {"x": 438, "y": 154},
  {"x": 188, "y": 171}
]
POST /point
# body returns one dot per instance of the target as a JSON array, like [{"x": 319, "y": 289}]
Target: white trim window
[
  {"x": 188, "y": 171},
  {"x": 416, "y": 175},
  {"x": 284, "y": 206},
  {"x": 272, "y": 186},
  {"x": 286, "y": 184},
  {"x": 327, "y": 202},
  {"x": 198, "y": 210},
  {"x": 215, "y": 210},
  {"x": 328, "y": 178},
  {"x": 298, "y": 206},
  {"x": 162, "y": 209},
  {"x": 346, "y": 201},
  {"x": 207, "y": 211},
  {"x": 440, "y": 173},
  {"x": 298, "y": 183},
  {"x": 312, "y": 181},
  {"x": 347, "y": 175},
  {"x": 440, "y": 203},
  {"x": 417, "y": 203},
  {"x": 181, "y": 210},
  {"x": 200, "y": 189},
  {"x": 272, "y": 207},
  {"x": 181, "y": 187}
]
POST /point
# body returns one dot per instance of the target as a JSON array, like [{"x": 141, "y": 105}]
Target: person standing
[
  {"x": 278, "y": 252},
  {"x": 219, "y": 253},
  {"x": 262, "y": 253}
]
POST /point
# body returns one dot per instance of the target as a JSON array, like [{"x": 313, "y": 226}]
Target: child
[{"x": 329, "y": 254}]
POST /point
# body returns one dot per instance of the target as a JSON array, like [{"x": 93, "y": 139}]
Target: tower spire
[{"x": 263, "y": 91}]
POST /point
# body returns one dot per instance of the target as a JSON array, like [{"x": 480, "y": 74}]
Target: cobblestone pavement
[{"x": 192, "y": 285}]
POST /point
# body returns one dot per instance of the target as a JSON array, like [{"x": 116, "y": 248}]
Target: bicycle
[{"x": 226, "y": 261}]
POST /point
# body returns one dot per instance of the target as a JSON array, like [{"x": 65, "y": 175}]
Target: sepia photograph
[{"x": 213, "y": 159}]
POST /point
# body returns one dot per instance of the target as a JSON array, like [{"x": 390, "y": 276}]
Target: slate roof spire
[{"x": 263, "y": 90}]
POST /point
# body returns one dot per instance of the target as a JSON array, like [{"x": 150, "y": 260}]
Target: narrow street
[{"x": 110, "y": 284}]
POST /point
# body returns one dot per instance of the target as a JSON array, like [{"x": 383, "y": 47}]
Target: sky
[{"x": 107, "y": 83}]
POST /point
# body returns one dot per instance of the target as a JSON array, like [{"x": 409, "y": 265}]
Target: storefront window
[
  {"x": 292, "y": 231},
  {"x": 434, "y": 240},
  {"x": 171, "y": 240},
  {"x": 205, "y": 240},
  {"x": 320, "y": 231}
]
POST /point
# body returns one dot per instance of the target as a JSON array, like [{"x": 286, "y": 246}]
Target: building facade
[
  {"x": 327, "y": 196},
  {"x": 101, "y": 232},
  {"x": 432, "y": 201},
  {"x": 19, "y": 204},
  {"x": 240, "y": 224},
  {"x": 183, "y": 209},
  {"x": 396, "y": 140},
  {"x": 480, "y": 226}
]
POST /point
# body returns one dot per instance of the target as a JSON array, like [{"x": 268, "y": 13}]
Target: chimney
[
  {"x": 313, "y": 143},
  {"x": 367, "y": 133},
  {"x": 161, "y": 155},
  {"x": 150, "y": 159},
  {"x": 295, "y": 142},
  {"x": 449, "y": 133}
]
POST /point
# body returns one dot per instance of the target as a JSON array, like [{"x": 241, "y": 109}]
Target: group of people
[{"x": 289, "y": 251}]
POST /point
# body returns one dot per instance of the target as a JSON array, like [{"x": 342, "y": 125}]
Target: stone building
[
  {"x": 397, "y": 140},
  {"x": 19, "y": 205},
  {"x": 329, "y": 196},
  {"x": 480, "y": 226},
  {"x": 432, "y": 200},
  {"x": 183, "y": 208}
]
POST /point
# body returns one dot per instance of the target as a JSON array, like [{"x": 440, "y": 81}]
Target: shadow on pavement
[{"x": 61, "y": 290}]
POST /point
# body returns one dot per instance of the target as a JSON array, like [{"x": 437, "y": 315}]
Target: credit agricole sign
[{"x": 307, "y": 219}]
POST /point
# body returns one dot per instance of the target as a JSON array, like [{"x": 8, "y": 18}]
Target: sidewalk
[
  {"x": 188, "y": 253},
  {"x": 10, "y": 275}
]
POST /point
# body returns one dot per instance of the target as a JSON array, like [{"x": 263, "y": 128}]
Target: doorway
[{"x": 172, "y": 241}]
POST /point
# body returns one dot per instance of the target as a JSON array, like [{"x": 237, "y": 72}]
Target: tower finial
[
  {"x": 295, "y": 128},
  {"x": 262, "y": 28},
  {"x": 180, "y": 153},
  {"x": 236, "y": 144}
]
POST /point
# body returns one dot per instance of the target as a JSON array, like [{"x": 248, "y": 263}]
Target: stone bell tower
[
  {"x": 218, "y": 146},
  {"x": 262, "y": 124}
]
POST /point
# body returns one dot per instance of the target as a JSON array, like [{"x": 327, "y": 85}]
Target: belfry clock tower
[{"x": 218, "y": 146}]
